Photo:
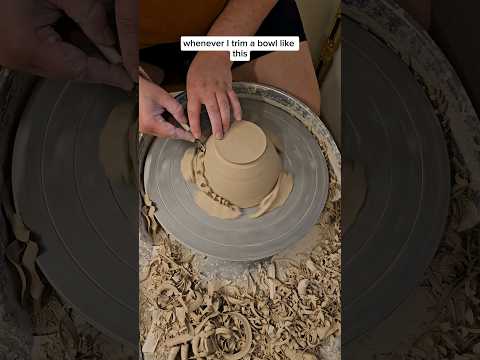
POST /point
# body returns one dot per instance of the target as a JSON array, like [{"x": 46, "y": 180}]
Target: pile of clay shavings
[
  {"x": 59, "y": 332},
  {"x": 285, "y": 308},
  {"x": 453, "y": 279}
]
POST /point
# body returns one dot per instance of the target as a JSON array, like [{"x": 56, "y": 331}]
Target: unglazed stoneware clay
[
  {"x": 255, "y": 171},
  {"x": 241, "y": 171},
  {"x": 193, "y": 171},
  {"x": 216, "y": 208},
  {"x": 277, "y": 197},
  {"x": 244, "y": 143},
  {"x": 186, "y": 166}
]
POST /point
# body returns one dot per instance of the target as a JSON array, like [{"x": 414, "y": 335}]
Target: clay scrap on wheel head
[
  {"x": 277, "y": 121},
  {"x": 243, "y": 170}
]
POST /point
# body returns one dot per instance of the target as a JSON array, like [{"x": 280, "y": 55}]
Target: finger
[
  {"x": 170, "y": 104},
  {"x": 58, "y": 59},
  {"x": 99, "y": 71},
  {"x": 92, "y": 18},
  {"x": 183, "y": 135},
  {"x": 224, "y": 106},
  {"x": 157, "y": 126},
  {"x": 237, "y": 109},
  {"x": 126, "y": 12},
  {"x": 193, "y": 108},
  {"x": 214, "y": 114}
]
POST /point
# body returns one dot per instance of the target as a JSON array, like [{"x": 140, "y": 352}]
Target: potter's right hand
[
  {"x": 209, "y": 82},
  {"x": 153, "y": 101}
]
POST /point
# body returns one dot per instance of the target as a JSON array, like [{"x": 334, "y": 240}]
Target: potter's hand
[
  {"x": 209, "y": 82},
  {"x": 153, "y": 101},
  {"x": 28, "y": 41}
]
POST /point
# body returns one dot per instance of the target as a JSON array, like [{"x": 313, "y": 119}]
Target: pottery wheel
[
  {"x": 86, "y": 226},
  {"x": 390, "y": 129},
  {"x": 244, "y": 238}
]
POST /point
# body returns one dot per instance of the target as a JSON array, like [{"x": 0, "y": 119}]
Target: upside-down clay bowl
[{"x": 244, "y": 166}]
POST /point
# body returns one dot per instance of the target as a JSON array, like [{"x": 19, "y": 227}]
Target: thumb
[
  {"x": 170, "y": 104},
  {"x": 164, "y": 129},
  {"x": 183, "y": 135}
]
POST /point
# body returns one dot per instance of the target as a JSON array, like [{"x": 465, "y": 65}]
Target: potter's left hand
[
  {"x": 209, "y": 82},
  {"x": 29, "y": 40},
  {"x": 153, "y": 101}
]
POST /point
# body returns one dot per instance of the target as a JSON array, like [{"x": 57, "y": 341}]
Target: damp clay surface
[{"x": 243, "y": 170}]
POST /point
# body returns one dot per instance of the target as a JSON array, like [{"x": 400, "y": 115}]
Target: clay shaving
[
  {"x": 284, "y": 308},
  {"x": 287, "y": 307},
  {"x": 193, "y": 171}
]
